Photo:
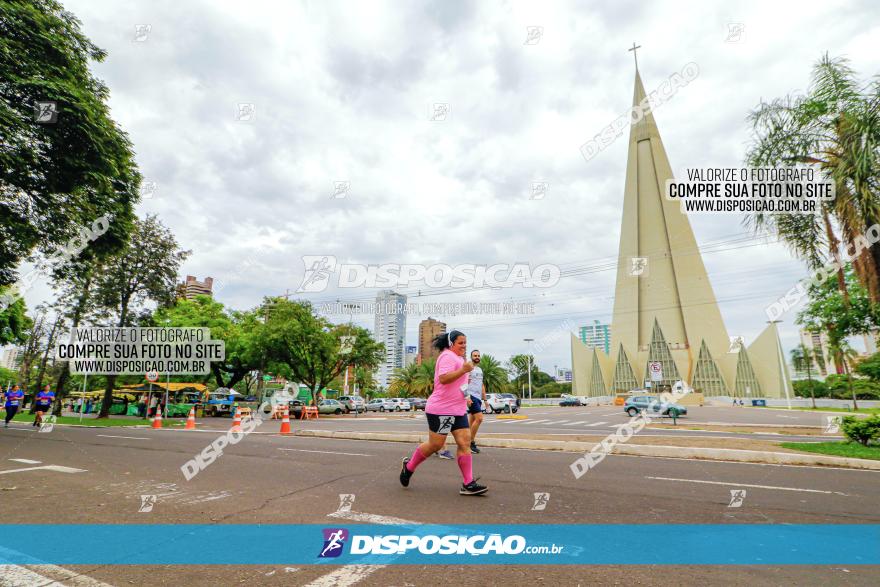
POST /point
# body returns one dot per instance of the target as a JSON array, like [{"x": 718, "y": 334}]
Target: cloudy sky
[{"x": 345, "y": 92}]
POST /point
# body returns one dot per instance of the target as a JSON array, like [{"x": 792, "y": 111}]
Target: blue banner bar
[{"x": 343, "y": 544}]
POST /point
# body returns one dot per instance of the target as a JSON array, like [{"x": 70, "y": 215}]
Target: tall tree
[
  {"x": 802, "y": 359},
  {"x": 404, "y": 381},
  {"x": 238, "y": 331},
  {"x": 835, "y": 128},
  {"x": 494, "y": 374},
  {"x": 424, "y": 381},
  {"x": 144, "y": 270},
  {"x": 63, "y": 160},
  {"x": 14, "y": 321},
  {"x": 311, "y": 346}
]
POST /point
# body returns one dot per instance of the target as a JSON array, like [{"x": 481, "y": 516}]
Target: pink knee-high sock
[
  {"x": 415, "y": 460},
  {"x": 465, "y": 463}
]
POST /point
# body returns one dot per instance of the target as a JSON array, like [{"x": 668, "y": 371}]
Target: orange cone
[
  {"x": 157, "y": 419},
  {"x": 191, "y": 419},
  {"x": 236, "y": 421},
  {"x": 285, "y": 421}
]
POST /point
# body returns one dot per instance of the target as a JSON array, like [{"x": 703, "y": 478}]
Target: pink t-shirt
[{"x": 447, "y": 399}]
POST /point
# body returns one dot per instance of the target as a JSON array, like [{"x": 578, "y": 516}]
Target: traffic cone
[
  {"x": 236, "y": 421},
  {"x": 157, "y": 419},
  {"x": 191, "y": 419},
  {"x": 285, "y": 421}
]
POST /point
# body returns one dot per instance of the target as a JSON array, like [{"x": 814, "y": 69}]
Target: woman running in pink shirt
[{"x": 446, "y": 411}]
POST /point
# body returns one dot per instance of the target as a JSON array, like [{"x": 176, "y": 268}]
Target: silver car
[{"x": 401, "y": 404}]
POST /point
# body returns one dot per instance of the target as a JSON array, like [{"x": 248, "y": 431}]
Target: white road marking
[
  {"x": 129, "y": 437},
  {"x": 535, "y": 421},
  {"x": 560, "y": 421},
  {"x": 576, "y": 423},
  {"x": 71, "y": 578},
  {"x": 26, "y": 461},
  {"x": 345, "y": 576},
  {"x": 372, "y": 518},
  {"x": 747, "y": 485},
  {"x": 594, "y": 424},
  {"x": 56, "y": 468},
  {"x": 16, "y": 576},
  {"x": 351, "y": 574},
  {"x": 328, "y": 452}
]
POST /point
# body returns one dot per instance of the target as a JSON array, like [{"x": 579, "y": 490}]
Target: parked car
[
  {"x": 330, "y": 406},
  {"x": 570, "y": 401},
  {"x": 400, "y": 404},
  {"x": 353, "y": 403},
  {"x": 513, "y": 397},
  {"x": 381, "y": 404},
  {"x": 296, "y": 408},
  {"x": 417, "y": 403},
  {"x": 651, "y": 404},
  {"x": 497, "y": 403}
]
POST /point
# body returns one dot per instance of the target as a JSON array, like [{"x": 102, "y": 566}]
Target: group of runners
[
  {"x": 455, "y": 407},
  {"x": 14, "y": 398}
]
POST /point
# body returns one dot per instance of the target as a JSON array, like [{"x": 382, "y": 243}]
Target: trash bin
[{"x": 759, "y": 402}]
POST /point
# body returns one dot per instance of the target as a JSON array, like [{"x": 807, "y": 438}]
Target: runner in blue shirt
[
  {"x": 13, "y": 402},
  {"x": 43, "y": 404}
]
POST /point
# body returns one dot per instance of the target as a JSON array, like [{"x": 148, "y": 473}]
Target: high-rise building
[
  {"x": 665, "y": 310},
  {"x": 12, "y": 358},
  {"x": 191, "y": 288},
  {"x": 428, "y": 329},
  {"x": 596, "y": 336},
  {"x": 822, "y": 361},
  {"x": 390, "y": 330}
]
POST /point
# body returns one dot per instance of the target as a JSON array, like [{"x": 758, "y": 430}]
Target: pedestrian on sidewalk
[
  {"x": 446, "y": 412},
  {"x": 13, "y": 401}
]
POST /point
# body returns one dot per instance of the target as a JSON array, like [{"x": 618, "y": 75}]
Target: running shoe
[
  {"x": 405, "y": 473},
  {"x": 445, "y": 454},
  {"x": 473, "y": 488},
  {"x": 474, "y": 448}
]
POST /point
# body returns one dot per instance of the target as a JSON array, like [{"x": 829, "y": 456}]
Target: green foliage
[
  {"x": 238, "y": 330},
  {"x": 404, "y": 382},
  {"x": 310, "y": 346},
  {"x": 552, "y": 389},
  {"x": 63, "y": 175},
  {"x": 802, "y": 388},
  {"x": 494, "y": 374},
  {"x": 838, "y": 387},
  {"x": 861, "y": 430},
  {"x": 828, "y": 311},
  {"x": 870, "y": 367},
  {"x": 14, "y": 321},
  {"x": 834, "y": 127}
]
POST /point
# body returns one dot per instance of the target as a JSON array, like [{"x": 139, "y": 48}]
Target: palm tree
[
  {"x": 494, "y": 375},
  {"x": 404, "y": 381},
  {"x": 424, "y": 381},
  {"x": 802, "y": 358},
  {"x": 843, "y": 354},
  {"x": 835, "y": 127}
]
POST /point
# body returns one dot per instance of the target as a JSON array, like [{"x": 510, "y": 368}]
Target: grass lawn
[
  {"x": 819, "y": 409},
  {"x": 110, "y": 422},
  {"x": 838, "y": 449}
]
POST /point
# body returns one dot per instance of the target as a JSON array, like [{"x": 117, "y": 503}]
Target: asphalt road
[
  {"x": 570, "y": 421},
  {"x": 274, "y": 479}
]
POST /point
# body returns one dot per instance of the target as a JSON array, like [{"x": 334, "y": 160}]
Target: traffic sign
[
  {"x": 152, "y": 376},
  {"x": 656, "y": 369}
]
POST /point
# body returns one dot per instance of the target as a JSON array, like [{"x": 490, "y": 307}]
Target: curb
[{"x": 678, "y": 452}]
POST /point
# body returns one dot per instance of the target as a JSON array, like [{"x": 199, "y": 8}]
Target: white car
[
  {"x": 381, "y": 404},
  {"x": 401, "y": 404},
  {"x": 496, "y": 403}
]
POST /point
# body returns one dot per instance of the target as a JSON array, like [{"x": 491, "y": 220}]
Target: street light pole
[{"x": 529, "y": 359}]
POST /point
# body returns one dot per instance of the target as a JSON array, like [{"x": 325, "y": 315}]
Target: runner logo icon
[{"x": 334, "y": 540}]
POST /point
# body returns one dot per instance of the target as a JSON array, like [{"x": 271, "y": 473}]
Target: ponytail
[{"x": 444, "y": 340}]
